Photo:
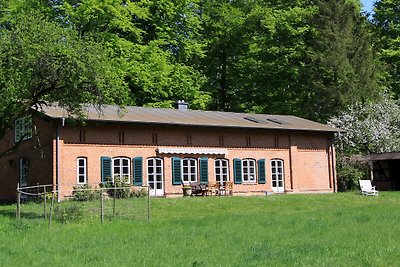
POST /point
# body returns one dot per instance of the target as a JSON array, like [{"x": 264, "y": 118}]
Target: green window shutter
[
  {"x": 105, "y": 169},
  {"x": 203, "y": 170},
  {"x": 237, "y": 171},
  {"x": 176, "y": 171},
  {"x": 261, "y": 171},
  {"x": 137, "y": 165}
]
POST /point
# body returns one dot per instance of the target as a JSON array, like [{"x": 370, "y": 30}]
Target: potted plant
[{"x": 187, "y": 190}]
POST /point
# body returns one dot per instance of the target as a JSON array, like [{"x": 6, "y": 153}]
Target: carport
[{"x": 385, "y": 170}]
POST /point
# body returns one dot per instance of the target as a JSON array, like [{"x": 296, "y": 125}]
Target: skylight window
[
  {"x": 274, "y": 120},
  {"x": 264, "y": 120},
  {"x": 252, "y": 119}
]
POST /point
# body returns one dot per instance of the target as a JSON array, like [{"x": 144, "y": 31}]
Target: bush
[
  {"x": 122, "y": 188},
  {"x": 349, "y": 175},
  {"x": 68, "y": 212},
  {"x": 47, "y": 196},
  {"x": 139, "y": 193},
  {"x": 83, "y": 193}
]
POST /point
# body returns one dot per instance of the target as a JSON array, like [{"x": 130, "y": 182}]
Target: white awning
[{"x": 190, "y": 150}]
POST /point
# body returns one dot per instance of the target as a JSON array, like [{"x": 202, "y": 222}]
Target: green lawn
[{"x": 343, "y": 229}]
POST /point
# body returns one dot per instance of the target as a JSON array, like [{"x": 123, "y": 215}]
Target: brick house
[{"x": 165, "y": 148}]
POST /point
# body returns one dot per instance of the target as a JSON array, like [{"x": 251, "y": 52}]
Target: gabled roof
[{"x": 189, "y": 117}]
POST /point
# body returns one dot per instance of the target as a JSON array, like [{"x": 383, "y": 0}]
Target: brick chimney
[{"x": 181, "y": 104}]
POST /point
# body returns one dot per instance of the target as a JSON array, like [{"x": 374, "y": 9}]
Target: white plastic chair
[{"x": 367, "y": 188}]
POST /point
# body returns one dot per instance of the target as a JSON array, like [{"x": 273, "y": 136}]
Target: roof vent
[{"x": 181, "y": 104}]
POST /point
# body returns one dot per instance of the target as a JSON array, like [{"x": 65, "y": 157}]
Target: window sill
[{"x": 250, "y": 183}]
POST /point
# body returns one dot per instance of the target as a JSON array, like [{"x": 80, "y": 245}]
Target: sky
[{"x": 368, "y": 5}]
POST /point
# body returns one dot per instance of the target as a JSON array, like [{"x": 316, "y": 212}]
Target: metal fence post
[
  {"x": 114, "y": 201},
  {"x": 148, "y": 204},
  {"x": 44, "y": 202},
  {"x": 51, "y": 207},
  {"x": 101, "y": 206},
  {"x": 18, "y": 214}
]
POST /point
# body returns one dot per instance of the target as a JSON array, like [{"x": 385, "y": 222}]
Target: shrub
[
  {"x": 118, "y": 188},
  {"x": 83, "y": 193},
  {"x": 349, "y": 175},
  {"x": 68, "y": 212},
  {"x": 139, "y": 193},
  {"x": 47, "y": 196}
]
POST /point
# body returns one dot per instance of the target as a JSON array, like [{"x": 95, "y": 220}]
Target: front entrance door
[
  {"x": 155, "y": 176},
  {"x": 277, "y": 175}
]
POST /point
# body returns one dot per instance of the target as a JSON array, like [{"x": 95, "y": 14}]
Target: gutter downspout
[
  {"x": 58, "y": 158},
  {"x": 334, "y": 178}
]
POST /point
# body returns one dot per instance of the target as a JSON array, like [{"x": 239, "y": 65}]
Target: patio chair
[
  {"x": 198, "y": 189},
  {"x": 367, "y": 188},
  {"x": 212, "y": 189},
  {"x": 221, "y": 188},
  {"x": 228, "y": 188}
]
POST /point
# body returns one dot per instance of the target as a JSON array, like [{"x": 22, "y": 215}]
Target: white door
[
  {"x": 155, "y": 176},
  {"x": 277, "y": 175}
]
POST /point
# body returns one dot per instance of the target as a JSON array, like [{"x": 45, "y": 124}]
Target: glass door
[
  {"x": 277, "y": 175},
  {"x": 155, "y": 176}
]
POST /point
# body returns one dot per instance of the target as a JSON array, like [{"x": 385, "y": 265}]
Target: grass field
[{"x": 343, "y": 229}]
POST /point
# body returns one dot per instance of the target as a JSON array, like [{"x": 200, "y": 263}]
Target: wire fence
[{"x": 103, "y": 203}]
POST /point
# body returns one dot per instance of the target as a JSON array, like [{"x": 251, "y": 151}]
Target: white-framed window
[
  {"x": 221, "y": 170},
  {"x": 155, "y": 173},
  {"x": 277, "y": 173},
  {"x": 249, "y": 171},
  {"x": 122, "y": 169},
  {"x": 23, "y": 128},
  {"x": 189, "y": 170},
  {"x": 81, "y": 170},
  {"x": 23, "y": 171}
]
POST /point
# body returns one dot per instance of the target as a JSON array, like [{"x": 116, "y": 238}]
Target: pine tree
[{"x": 387, "y": 20}]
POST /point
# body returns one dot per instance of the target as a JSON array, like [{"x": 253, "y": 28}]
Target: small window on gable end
[
  {"x": 81, "y": 170},
  {"x": 23, "y": 172},
  {"x": 23, "y": 129}
]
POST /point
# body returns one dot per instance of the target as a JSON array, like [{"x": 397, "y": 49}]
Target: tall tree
[
  {"x": 43, "y": 62},
  {"x": 308, "y": 58},
  {"x": 343, "y": 70},
  {"x": 153, "y": 42},
  {"x": 223, "y": 31},
  {"x": 387, "y": 20}
]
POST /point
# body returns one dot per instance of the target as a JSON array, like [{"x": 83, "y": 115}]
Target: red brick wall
[
  {"x": 38, "y": 152},
  {"x": 309, "y": 163},
  {"x": 306, "y": 156}
]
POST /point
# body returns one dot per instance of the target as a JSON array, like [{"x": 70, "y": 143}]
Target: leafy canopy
[{"x": 42, "y": 61}]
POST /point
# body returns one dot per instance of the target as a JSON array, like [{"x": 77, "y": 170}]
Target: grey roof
[{"x": 192, "y": 118}]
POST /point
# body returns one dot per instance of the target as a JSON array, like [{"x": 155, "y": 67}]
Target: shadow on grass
[
  {"x": 26, "y": 215},
  {"x": 7, "y": 202}
]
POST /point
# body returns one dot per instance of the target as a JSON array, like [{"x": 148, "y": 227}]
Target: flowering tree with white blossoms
[{"x": 369, "y": 128}]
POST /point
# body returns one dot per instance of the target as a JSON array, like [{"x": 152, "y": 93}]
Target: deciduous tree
[{"x": 41, "y": 62}]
